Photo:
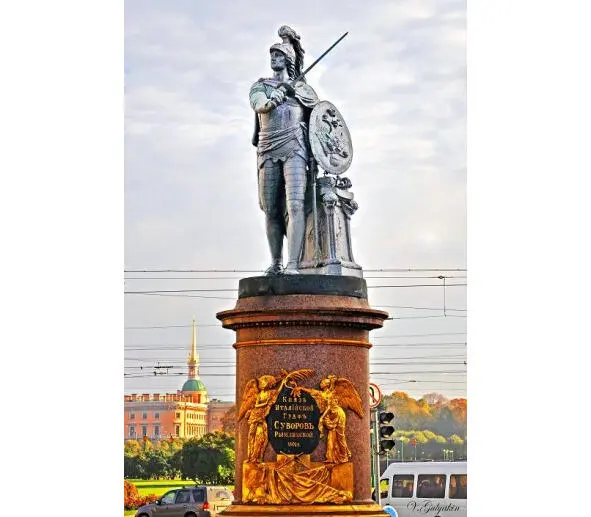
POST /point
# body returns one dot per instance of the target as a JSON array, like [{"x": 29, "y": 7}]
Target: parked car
[{"x": 194, "y": 501}]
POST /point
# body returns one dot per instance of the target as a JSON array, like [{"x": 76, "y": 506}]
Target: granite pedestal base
[
  {"x": 317, "y": 322},
  {"x": 307, "y": 510}
]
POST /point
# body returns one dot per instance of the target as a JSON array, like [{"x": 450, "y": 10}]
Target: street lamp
[{"x": 448, "y": 454}]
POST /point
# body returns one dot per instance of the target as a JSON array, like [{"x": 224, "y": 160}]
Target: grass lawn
[
  {"x": 155, "y": 486},
  {"x": 159, "y": 487}
]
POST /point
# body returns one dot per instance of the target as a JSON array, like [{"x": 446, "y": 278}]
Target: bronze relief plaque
[{"x": 292, "y": 423}]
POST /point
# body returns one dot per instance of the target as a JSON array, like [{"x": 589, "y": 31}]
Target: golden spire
[{"x": 193, "y": 361}]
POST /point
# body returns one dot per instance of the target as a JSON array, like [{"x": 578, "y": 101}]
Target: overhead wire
[
  {"x": 166, "y": 291},
  {"x": 378, "y": 270},
  {"x": 240, "y": 277}
]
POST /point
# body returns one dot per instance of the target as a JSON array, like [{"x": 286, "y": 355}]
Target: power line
[
  {"x": 163, "y": 291},
  {"x": 173, "y": 326},
  {"x": 418, "y": 335},
  {"x": 229, "y": 375},
  {"x": 412, "y": 381},
  {"x": 384, "y": 362},
  {"x": 422, "y": 308},
  {"x": 380, "y": 270},
  {"x": 160, "y": 346},
  {"x": 183, "y": 362},
  {"x": 219, "y": 325},
  {"x": 426, "y": 317},
  {"x": 389, "y": 361},
  {"x": 182, "y": 295},
  {"x": 240, "y": 277}
]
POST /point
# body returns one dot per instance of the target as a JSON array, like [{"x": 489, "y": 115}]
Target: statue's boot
[
  {"x": 296, "y": 231},
  {"x": 276, "y": 268},
  {"x": 275, "y": 238}
]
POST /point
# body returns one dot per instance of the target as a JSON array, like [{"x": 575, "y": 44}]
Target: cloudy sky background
[{"x": 399, "y": 79}]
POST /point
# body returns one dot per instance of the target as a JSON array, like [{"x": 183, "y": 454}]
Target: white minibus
[{"x": 433, "y": 488}]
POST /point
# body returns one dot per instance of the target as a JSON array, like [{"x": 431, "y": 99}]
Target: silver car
[{"x": 195, "y": 501}]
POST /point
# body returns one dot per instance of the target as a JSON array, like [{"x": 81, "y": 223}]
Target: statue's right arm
[{"x": 259, "y": 101}]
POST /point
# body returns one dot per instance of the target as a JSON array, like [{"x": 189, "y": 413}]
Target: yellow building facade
[{"x": 188, "y": 413}]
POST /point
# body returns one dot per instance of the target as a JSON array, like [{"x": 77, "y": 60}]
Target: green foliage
[
  {"x": 157, "y": 463},
  {"x": 143, "y": 460},
  {"x": 456, "y": 440},
  {"x": 209, "y": 459}
]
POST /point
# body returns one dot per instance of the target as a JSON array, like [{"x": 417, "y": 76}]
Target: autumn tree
[
  {"x": 435, "y": 399},
  {"x": 132, "y": 447}
]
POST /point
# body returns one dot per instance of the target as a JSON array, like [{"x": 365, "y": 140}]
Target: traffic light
[{"x": 385, "y": 430}]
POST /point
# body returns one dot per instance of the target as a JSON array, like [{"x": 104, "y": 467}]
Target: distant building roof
[{"x": 193, "y": 385}]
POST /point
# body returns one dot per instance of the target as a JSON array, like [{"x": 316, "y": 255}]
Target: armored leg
[
  {"x": 294, "y": 172},
  {"x": 270, "y": 195}
]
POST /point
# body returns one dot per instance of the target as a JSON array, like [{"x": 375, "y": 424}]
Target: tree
[
  {"x": 435, "y": 399},
  {"x": 209, "y": 459},
  {"x": 132, "y": 447},
  {"x": 459, "y": 410},
  {"x": 456, "y": 440},
  {"x": 147, "y": 445},
  {"x": 157, "y": 464},
  {"x": 175, "y": 464},
  {"x": 135, "y": 467}
]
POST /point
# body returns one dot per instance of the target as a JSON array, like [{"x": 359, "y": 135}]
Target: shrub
[
  {"x": 132, "y": 499},
  {"x": 129, "y": 490}
]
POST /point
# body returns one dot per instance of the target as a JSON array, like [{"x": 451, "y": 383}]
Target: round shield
[{"x": 330, "y": 140}]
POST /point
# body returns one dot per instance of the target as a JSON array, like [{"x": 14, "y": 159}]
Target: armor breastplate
[{"x": 288, "y": 114}]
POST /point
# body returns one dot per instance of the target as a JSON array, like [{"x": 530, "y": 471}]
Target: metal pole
[
  {"x": 371, "y": 448},
  {"x": 377, "y": 457}
]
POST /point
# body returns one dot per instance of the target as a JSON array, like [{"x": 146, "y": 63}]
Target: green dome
[{"x": 193, "y": 385}]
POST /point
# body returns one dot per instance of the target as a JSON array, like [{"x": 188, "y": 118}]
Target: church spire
[{"x": 193, "y": 361}]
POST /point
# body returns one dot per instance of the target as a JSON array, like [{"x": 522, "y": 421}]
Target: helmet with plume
[{"x": 291, "y": 49}]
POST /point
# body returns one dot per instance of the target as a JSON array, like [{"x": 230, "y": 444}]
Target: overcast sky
[{"x": 399, "y": 80}]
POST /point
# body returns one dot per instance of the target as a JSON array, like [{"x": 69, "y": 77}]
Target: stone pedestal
[
  {"x": 316, "y": 322},
  {"x": 335, "y": 206}
]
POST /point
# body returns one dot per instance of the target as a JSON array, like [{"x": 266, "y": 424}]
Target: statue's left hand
[
  {"x": 287, "y": 88},
  {"x": 277, "y": 96}
]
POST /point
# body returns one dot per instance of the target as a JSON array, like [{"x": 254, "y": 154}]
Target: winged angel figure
[
  {"x": 258, "y": 397},
  {"x": 336, "y": 394}
]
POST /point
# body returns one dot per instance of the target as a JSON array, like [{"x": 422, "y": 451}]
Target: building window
[
  {"x": 132, "y": 431},
  {"x": 178, "y": 415},
  {"x": 132, "y": 416},
  {"x": 144, "y": 416},
  {"x": 156, "y": 416},
  {"x": 144, "y": 430},
  {"x": 156, "y": 430}
]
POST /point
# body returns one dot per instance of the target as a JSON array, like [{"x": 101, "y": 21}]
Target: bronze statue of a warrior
[{"x": 282, "y": 105}]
